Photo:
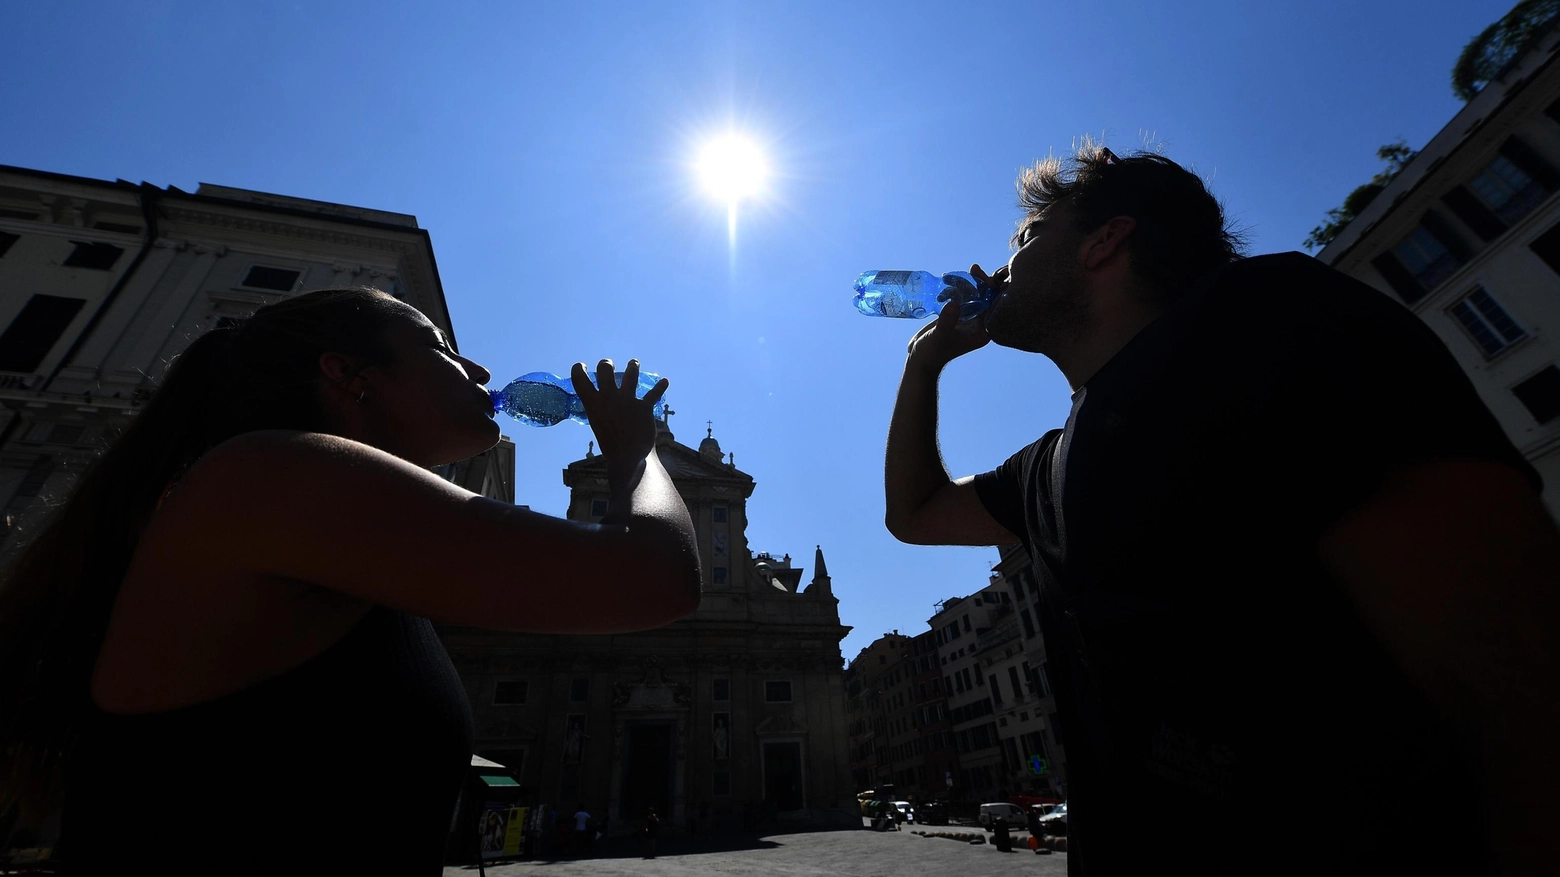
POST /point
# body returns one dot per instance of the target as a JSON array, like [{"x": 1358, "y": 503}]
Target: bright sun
[{"x": 732, "y": 168}]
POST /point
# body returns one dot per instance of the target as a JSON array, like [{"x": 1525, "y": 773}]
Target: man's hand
[
  {"x": 623, "y": 424},
  {"x": 947, "y": 338}
]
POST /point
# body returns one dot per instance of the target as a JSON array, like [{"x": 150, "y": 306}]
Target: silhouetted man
[{"x": 1294, "y": 581}]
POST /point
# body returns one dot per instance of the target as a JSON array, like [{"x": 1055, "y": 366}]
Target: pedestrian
[
  {"x": 652, "y": 827},
  {"x": 582, "y": 829},
  {"x": 1275, "y": 487},
  {"x": 254, "y": 565}
]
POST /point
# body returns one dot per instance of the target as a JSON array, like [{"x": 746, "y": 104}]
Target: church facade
[{"x": 736, "y": 713}]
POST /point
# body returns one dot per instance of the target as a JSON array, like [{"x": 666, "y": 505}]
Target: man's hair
[{"x": 1181, "y": 230}]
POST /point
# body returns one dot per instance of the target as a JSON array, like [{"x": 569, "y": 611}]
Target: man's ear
[{"x": 1105, "y": 242}]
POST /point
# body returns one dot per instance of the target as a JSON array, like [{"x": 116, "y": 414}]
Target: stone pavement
[{"x": 846, "y": 853}]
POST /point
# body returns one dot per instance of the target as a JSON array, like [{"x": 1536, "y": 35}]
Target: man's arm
[
  {"x": 923, "y": 505},
  {"x": 1455, "y": 564}
]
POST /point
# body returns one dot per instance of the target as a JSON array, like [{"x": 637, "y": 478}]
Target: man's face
[{"x": 1044, "y": 303}]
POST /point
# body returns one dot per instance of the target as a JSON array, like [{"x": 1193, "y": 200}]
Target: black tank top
[{"x": 348, "y": 763}]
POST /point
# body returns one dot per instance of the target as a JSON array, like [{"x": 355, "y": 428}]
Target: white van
[{"x": 1007, "y": 814}]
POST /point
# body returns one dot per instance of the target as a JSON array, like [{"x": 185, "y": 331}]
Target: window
[
  {"x": 6, "y": 240},
  {"x": 966, "y": 624},
  {"x": 1547, "y": 247},
  {"x": 1506, "y": 190},
  {"x": 718, "y": 575},
  {"x": 959, "y": 682},
  {"x": 936, "y": 686},
  {"x": 1541, "y": 394},
  {"x": 979, "y": 680},
  {"x": 722, "y": 783},
  {"x": 510, "y": 691},
  {"x": 1029, "y": 623},
  {"x": 1486, "y": 322},
  {"x": 35, "y": 330},
  {"x": 122, "y": 228},
  {"x": 718, "y": 514},
  {"x": 279, "y": 279},
  {"x": 722, "y": 689},
  {"x": 1427, "y": 258},
  {"x": 98, "y": 257},
  {"x": 598, "y": 508},
  {"x": 1018, "y": 687},
  {"x": 579, "y": 690},
  {"x": 777, "y": 691},
  {"x": 996, "y": 692}
]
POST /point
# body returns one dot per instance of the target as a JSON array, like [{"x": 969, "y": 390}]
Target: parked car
[
  {"x": 1007, "y": 814},
  {"x": 1055, "y": 822},
  {"x": 905, "y": 812},
  {"x": 932, "y": 813}
]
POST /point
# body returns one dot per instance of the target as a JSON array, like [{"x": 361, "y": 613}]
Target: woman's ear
[{"x": 343, "y": 371}]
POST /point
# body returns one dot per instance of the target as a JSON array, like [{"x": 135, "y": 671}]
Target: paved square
[{"x": 848, "y": 853}]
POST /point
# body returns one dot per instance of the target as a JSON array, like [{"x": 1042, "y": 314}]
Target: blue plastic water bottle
[
  {"x": 915, "y": 294},
  {"x": 544, "y": 399}
]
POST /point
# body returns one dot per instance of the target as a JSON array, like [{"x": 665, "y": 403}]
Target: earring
[{"x": 360, "y": 397}]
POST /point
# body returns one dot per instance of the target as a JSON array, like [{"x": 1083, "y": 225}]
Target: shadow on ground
[{"x": 665, "y": 848}]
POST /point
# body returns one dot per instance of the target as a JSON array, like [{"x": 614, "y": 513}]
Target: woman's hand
[{"x": 624, "y": 425}]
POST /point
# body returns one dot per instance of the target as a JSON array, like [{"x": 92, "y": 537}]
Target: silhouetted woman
[{"x": 223, "y": 635}]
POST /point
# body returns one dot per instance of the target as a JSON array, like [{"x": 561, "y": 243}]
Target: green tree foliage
[
  {"x": 1397, "y": 155},
  {"x": 1489, "y": 53}
]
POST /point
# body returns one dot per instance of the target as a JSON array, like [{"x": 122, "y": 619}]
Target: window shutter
[
  {"x": 1407, "y": 288},
  {"x": 1473, "y": 213},
  {"x": 33, "y": 333},
  {"x": 1449, "y": 238},
  {"x": 1547, "y": 247},
  {"x": 1531, "y": 163},
  {"x": 1541, "y": 394}
]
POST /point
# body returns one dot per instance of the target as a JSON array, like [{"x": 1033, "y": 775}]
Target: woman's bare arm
[{"x": 340, "y": 514}]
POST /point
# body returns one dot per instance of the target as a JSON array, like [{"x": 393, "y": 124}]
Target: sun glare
[{"x": 732, "y": 168}]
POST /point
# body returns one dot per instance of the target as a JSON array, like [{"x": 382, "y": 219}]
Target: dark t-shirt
[
  {"x": 1218, "y": 694},
  {"x": 349, "y": 763}
]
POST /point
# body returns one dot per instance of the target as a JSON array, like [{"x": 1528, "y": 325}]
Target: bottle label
[{"x": 891, "y": 278}]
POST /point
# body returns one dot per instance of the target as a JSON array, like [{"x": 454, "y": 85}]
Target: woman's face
[{"x": 427, "y": 404}]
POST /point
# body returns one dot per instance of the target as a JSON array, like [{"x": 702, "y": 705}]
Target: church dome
[{"x": 709, "y": 449}]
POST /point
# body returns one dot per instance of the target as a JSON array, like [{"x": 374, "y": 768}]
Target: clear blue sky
[{"x": 546, "y": 146}]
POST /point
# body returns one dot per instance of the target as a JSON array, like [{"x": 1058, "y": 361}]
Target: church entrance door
[
  {"x": 647, "y": 771},
  {"x": 783, "y": 774}
]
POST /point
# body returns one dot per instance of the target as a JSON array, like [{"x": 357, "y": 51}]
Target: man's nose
[{"x": 477, "y": 372}]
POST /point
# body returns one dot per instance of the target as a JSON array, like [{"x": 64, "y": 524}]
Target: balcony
[{"x": 995, "y": 637}]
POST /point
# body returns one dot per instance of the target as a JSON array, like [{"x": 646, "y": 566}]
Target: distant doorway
[
  {"x": 783, "y": 774},
  {"x": 647, "y": 771}
]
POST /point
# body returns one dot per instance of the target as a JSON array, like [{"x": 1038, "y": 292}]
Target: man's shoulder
[
  {"x": 1299, "y": 285},
  {"x": 1031, "y": 454}
]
